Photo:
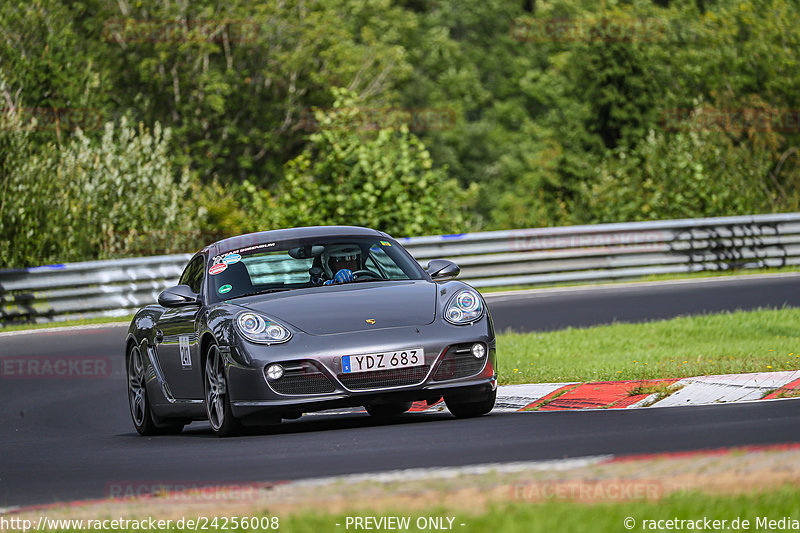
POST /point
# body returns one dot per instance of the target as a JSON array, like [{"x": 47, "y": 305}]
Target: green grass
[
  {"x": 726, "y": 343},
  {"x": 524, "y": 517},
  {"x": 519, "y": 515},
  {"x": 82, "y": 322},
  {"x": 662, "y": 389},
  {"x": 654, "y": 277}
]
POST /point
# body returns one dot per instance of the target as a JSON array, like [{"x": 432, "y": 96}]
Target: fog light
[
  {"x": 478, "y": 350},
  {"x": 275, "y": 371}
]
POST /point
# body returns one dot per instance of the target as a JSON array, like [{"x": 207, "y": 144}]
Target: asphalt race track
[
  {"x": 65, "y": 439},
  {"x": 636, "y": 302}
]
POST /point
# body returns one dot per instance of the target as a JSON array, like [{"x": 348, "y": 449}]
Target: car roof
[{"x": 251, "y": 239}]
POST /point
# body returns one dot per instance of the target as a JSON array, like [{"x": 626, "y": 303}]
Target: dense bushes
[
  {"x": 85, "y": 199},
  {"x": 384, "y": 180},
  {"x": 544, "y": 126}
]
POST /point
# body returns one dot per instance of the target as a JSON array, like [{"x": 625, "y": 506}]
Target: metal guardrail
[{"x": 487, "y": 259}]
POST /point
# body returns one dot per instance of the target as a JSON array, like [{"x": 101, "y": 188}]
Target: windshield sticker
[
  {"x": 216, "y": 269},
  {"x": 386, "y": 243},
  {"x": 224, "y": 289},
  {"x": 238, "y": 251},
  {"x": 231, "y": 259}
]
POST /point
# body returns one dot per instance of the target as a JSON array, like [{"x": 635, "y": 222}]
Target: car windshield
[{"x": 303, "y": 263}]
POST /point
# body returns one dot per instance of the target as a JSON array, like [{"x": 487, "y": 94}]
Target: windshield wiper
[{"x": 265, "y": 291}]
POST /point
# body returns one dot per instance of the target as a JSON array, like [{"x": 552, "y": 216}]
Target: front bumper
[{"x": 319, "y": 357}]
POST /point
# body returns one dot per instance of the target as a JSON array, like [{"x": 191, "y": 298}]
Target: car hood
[{"x": 346, "y": 308}]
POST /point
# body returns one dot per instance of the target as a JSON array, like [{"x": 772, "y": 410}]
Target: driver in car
[{"x": 341, "y": 263}]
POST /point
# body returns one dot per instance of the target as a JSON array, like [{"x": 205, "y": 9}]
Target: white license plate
[{"x": 383, "y": 361}]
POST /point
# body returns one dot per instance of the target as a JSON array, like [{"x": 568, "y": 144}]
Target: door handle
[{"x": 159, "y": 335}]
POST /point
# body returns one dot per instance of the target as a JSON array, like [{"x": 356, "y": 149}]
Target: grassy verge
[
  {"x": 726, "y": 343},
  {"x": 654, "y": 277},
  {"x": 594, "y": 496},
  {"x": 578, "y": 517},
  {"x": 68, "y": 323},
  {"x": 529, "y": 510}
]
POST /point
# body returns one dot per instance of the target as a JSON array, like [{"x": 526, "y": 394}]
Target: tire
[
  {"x": 462, "y": 409},
  {"x": 217, "y": 399},
  {"x": 387, "y": 410},
  {"x": 145, "y": 422}
]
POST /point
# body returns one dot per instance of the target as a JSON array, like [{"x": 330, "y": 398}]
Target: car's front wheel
[
  {"x": 145, "y": 422},
  {"x": 468, "y": 408},
  {"x": 217, "y": 399},
  {"x": 386, "y": 410}
]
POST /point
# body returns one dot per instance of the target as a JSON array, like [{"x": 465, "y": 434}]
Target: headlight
[
  {"x": 261, "y": 329},
  {"x": 464, "y": 307}
]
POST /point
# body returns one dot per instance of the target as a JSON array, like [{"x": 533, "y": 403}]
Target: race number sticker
[
  {"x": 186, "y": 354},
  {"x": 216, "y": 269},
  {"x": 231, "y": 259}
]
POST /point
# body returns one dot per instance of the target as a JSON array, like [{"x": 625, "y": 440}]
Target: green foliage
[
  {"x": 222, "y": 209},
  {"x": 44, "y": 57},
  {"x": 680, "y": 174},
  {"x": 727, "y": 343},
  {"x": 384, "y": 180},
  {"x": 548, "y": 128},
  {"x": 91, "y": 200},
  {"x": 237, "y": 101}
]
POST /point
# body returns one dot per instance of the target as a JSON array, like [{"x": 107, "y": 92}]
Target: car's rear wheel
[
  {"x": 145, "y": 422},
  {"x": 386, "y": 410},
  {"x": 217, "y": 399},
  {"x": 468, "y": 408}
]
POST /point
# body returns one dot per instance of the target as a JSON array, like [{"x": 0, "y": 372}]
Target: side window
[
  {"x": 193, "y": 274},
  {"x": 379, "y": 261}
]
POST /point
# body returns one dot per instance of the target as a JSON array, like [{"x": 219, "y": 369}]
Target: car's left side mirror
[
  {"x": 177, "y": 296},
  {"x": 442, "y": 269}
]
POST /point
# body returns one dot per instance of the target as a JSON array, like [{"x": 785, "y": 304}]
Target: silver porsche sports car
[{"x": 271, "y": 325}]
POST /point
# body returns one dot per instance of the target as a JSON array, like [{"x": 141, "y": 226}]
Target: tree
[
  {"x": 236, "y": 81},
  {"x": 88, "y": 199},
  {"x": 698, "y": 171},
  {"x": 383, "y": 179},
  {"x": 46, "y": 61}
]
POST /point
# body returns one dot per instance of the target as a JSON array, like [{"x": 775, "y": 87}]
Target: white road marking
[
  {"x": 727, "y": 388},
  {"x": 411, "y": 474},
  {"x": 64, "y": 329},
  {"x": 516, "y": 397}
]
